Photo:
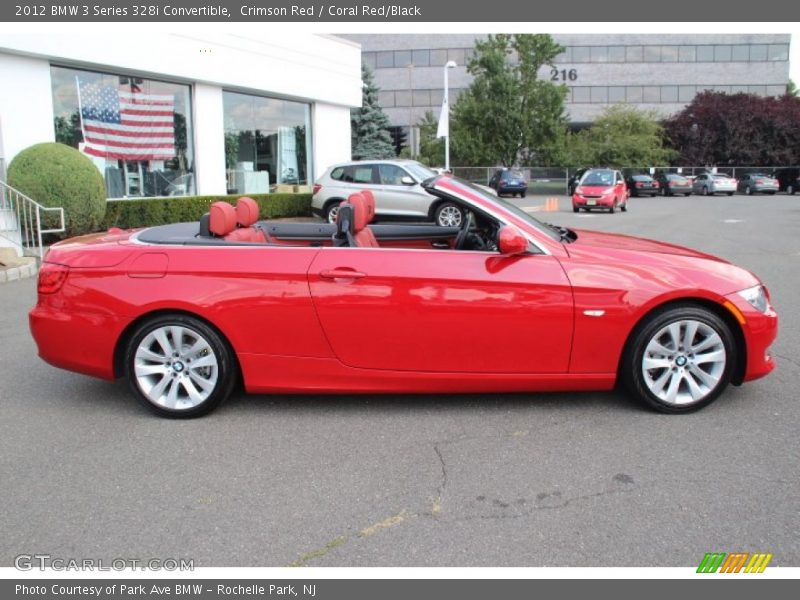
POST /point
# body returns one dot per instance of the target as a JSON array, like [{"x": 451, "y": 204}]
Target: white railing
[{"x": 22, "y": 218}]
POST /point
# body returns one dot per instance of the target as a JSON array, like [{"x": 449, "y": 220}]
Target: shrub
[
  {"x": 147, "y": 212},
  {"x": 57, "y": 175}
]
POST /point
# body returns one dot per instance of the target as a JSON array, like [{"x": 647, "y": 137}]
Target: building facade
[
  {"x": 177, "y": 114},
  {"x": 662, "y": 72}
]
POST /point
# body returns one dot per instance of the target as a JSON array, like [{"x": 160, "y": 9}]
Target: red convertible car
[{"x": 503, "y": 303}]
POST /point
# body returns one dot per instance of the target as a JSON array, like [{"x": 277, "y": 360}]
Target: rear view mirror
[
  {"x": 511, "y": 241},
  {"x": 407, "y": 180}
]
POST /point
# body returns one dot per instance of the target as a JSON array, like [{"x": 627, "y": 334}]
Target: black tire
[
  {"x": 748, "y": 191},
  {"x": 330, "y": 209},
  {"x": 446, "y": 207},
  {"x": 226, "y": 367},
  {"x": 632, "y": 373},
  {"x": 687, "y": 194},
  {"x": 575, "y": 209},
  {"x": 612, "y": 209},
  {"x": 729, "y": 193},
  {"x": 624, "y": 207}
]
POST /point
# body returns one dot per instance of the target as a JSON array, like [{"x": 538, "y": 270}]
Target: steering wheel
[{"x": 463, "y": 233}]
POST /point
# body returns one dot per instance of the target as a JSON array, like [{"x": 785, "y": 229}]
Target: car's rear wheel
[
  {"x": 680, "y": 359},
  {"x": 748, "y": 191},
  {"x": 790, "y": 189},
  {"x": 331, "y": 210},
  {"x": 449, "y": 214},
  {"x": 179, "y": 367},
  {"x": 730, "y": 193}
]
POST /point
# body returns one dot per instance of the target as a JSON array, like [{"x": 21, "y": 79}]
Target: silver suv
[{"x": 397, "y": 190}]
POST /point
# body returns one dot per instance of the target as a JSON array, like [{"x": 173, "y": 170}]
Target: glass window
[
  {"x": 137, "y": 132},
  {"x": 391, "y": 174},
  {"x": 669, "y": 93},
  {"x": 705, "y": 53},
  {"x": 456, "y": 55},
  {"x": 384, "y": 60},
  {"x": 652, "y": 54},
  {"x": 776, "y": 90},
  {"x": 686, "y": 93},
  {"x": 633, "y": 54},
  {"x": 722, "y": 53},
  {"x": 758, "y": 52},
  {"x": 599, "y": 94},
  {"x": 421, "y": 58},
  {"x": 581, "y": 54},
  {"x": 633, "y": 93},
  {"x": 778, "y": 52},
  {"x": 651, "y": 94},
  {"x": 687, "y": 54},
  {"x": 599, "y": 54},
  {"x": 421, "y": 97},
  {"x": 386, "y": 99},
  {"x": 616, "y": 54},
  {"x": 402, "y": 58},
  {"x": 741, "y": 53},
  {"x": 616, "y": 93},
  {"x": 437, "y": 97},
  {"x": 438, "y": 57},
  {"x": 581, "y": 94},
  {"x": 363, "y": 173},
  {"x": 669, "y": 53},
  {"x": 267, "y": 142},
  {"x": 402, "y": 98},
  {"x": 368, "y": 58}
]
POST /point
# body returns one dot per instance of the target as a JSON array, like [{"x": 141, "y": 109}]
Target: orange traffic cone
[{"x": 551, "y": 205}]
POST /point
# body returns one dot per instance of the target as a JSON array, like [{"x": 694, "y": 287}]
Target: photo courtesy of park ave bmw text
[{"x": 406, "y": 299}]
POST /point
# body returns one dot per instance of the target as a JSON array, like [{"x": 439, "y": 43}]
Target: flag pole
[
  {"x": 80, "y": 108},
  {"x": 450, "y": 65}
]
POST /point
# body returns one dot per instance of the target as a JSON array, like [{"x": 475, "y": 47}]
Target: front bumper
[
  {"x": 593, "y": 202},
  {"x": 760, "y": 330}
]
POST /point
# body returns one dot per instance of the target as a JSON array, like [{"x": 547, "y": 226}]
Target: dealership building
[
  {"x": 662, "y": 72},
  {"x": 172, "y": 114}
]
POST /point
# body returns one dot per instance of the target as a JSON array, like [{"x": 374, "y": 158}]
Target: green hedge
[{"x": 175, "y": 209}]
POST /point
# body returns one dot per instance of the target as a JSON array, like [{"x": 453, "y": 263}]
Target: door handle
[
  {"x": 342, "y": 273},
  {"x": 442, "y": 245}
]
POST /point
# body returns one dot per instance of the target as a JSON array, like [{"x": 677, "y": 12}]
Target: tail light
[
  {"x": 51, "y": 278},
  {"x": 759, "y": 182},
  {"x": 639, "y": 184},
  {"x": 671, "y": 183},
  {"x": 655, "y": 184},
  {"x": 317, "y": 187}
]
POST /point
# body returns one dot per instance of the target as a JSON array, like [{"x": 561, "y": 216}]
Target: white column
[
  {"x": 26, "y": 104},
  {"x": 209, "y": 140},
  {"x": 331, "y": 134}
]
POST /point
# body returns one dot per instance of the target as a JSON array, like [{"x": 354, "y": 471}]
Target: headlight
[
  {"x": 757, "y": 297},
  {"x": 608, "y": 190}
]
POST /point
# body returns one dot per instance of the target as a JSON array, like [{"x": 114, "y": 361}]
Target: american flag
[{"x": 126, "y": 125}]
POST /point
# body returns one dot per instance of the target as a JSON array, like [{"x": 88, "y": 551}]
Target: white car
[
  {"x": 395, "y": 185},
  {"x": 714, "y": 183}
]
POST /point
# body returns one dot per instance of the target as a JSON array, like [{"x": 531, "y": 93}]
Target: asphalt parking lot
[{"x": 577, "y": 479}]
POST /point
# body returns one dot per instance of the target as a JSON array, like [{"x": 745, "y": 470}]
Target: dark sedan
[
  {"x": 642, "y": 185},
  {"x": 506, "y": 181},
  {"x": 788, "y": 180},
  {"x": 673, "y": 184}
]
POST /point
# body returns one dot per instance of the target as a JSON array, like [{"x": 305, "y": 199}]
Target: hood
[
  {"x": 597, "y": 239},
  {"x": 594, "y": 190}
]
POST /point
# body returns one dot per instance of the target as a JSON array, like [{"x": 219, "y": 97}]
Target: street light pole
[
  {"x": 411, "y": 109},
  {"x": 449, "y": 65}
]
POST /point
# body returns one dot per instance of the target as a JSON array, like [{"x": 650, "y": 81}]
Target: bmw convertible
[{"x": 502, "y": 303}]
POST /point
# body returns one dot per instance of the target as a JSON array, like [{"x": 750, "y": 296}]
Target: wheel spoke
[
  {"x": 194, "y": 395},
  {"x": 172, "y": 396},
  {"x": 705, "y": 344},
  {"x": 658, "y": 385},
  {"x": 143, "y": 370},
  {"x": 146, "y": 354},
  {"x": 674, "y": 383},
  {"x": 694, "y": 390},
  {"x": 161, "y": 338},
  {"x": 706, "y": 378},
  {"x": 176, "y": 333},
  {"x": 655, "y": 347},
  {"x": 209, "y": 360},
  {"x": 158, "y": 389},
  {"x": 710, "y": 357},
  {"x": 688, "y": 333},
  {"x": 205, "y": 384},
  {"x": 674, "y": 331},
  {"x": 650, "y": 363}
]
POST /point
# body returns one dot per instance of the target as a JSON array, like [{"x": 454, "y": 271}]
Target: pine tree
[{"x": 369, "y": 125}]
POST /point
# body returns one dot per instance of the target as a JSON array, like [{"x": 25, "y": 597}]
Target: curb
[{"x": 19, "y": 272}]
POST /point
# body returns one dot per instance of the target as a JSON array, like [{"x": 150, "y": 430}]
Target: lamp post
[
  {"x": 411, "y": 108},
  {"x": 451, "y": 64}
]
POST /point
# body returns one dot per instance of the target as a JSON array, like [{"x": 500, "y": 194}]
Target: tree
[
  {"x": 369, "y": 125},
  {"x": 791, "y": 89},
  {"x": 508, "y": 114},
  {"x": 737, "y": 129},
  {"x": 431, "y": 148},
  {"x": 623, "y": 136}
]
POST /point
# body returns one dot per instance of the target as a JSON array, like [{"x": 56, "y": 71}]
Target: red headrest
[
  {"x": 360, "y": 213},
  {"x": 369, "y": 199},
  {"x": 222, "y": 218},
  {"x": 246, "y": 211}
]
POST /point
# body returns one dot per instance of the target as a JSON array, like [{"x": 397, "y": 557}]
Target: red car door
[{"x": 443, "y": 310}]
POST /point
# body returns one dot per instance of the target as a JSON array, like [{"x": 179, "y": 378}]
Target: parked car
[
  {"x": 788, "y": 180},
  {"x": 714, "y": 183},
  {"x": 502, "y": 303},
  {"x": 757, "y": 183},
  {"x": 600, "y": 189},
  {"x": 674, "y": 183},
  {"x": 397, "y": 186},
  {"x": 642, "y": 185},
  {"x": 508, "y": 181}
]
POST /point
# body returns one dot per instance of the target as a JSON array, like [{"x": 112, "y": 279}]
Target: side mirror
[
  {"x": 511, "y": 241},
  {"x": 407, "y": 180}
]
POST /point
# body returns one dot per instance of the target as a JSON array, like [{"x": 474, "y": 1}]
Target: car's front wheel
[
  {"x": 449, "y": 214},
  {"x": 179, "y": 367},
  {"x": 680, "y": 359}
]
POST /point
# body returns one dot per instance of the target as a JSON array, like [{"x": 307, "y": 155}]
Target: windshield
[
  {"x": 722, "y": 176},
  {"x": 598, "y": 178},
  {"x": 419, "y": 171},
  {"x": 509, "y": 207}
]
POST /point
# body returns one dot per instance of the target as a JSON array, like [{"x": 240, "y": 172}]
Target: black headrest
[
  {"x": 204, "y": 230},
  {"x": 344, "y": 225}
]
